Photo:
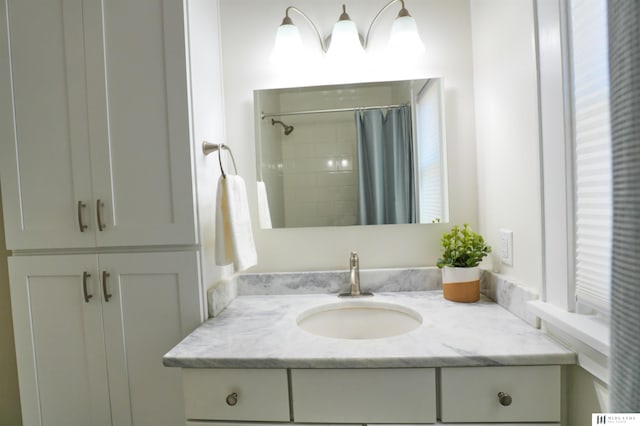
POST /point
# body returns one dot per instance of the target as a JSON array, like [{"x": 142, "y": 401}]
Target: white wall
[
  {"x": 207, "y": 123},
  {"x": 585, "y": 395},
  {"x": 506, "y": 109},
  {"x": 248, "y": 30}
]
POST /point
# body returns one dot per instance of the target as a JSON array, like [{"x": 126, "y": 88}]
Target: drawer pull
[
  {"x": 232, "y": 399},
  {"x": 81, "y": 224},
  {"x": 105, "y": 290},
  {"x": 85, "y": 291},
  {"x": 99, "y": 206},
  {"x": 505, "y": 399}
]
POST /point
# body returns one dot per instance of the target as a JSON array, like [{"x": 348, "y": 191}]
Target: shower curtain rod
[{"x": 322, "y": 111}]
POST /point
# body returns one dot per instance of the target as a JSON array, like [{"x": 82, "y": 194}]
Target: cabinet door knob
[
  {"x": 505, "y": 399},
  {"x": 232, "y": 399},
  {"x": 87, "y": 296},
  {"x": 81, "y": 224},
  {"x": 99, "y": 206},
  {"x": 105, "y": 289}
]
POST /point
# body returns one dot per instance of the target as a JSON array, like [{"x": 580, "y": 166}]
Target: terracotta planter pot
[{"x": 461, "y": 284}]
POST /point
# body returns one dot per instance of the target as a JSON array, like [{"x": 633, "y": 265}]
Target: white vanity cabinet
[
  {"x": 93, "y": 332},
  {"x": 95, "y": 143},
  {"x": 447, "y": 395}
]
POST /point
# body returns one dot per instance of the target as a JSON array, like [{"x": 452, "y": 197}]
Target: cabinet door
[
  {"x": 154, "y": 304},
  {"x": 138, "y": 114},
  {"x": 44, "y": 152},
  {"x": 59, "y": 341}
]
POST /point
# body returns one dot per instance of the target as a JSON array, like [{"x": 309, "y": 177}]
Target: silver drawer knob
[
  {"x": 232, "y": 399},
  {"x": 505, "y": 399}
]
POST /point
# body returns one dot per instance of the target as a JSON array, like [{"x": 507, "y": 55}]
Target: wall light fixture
[{"x": 345, "y": 41}]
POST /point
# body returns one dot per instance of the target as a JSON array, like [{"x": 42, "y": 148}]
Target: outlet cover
[{"x": 506, "y": 247}]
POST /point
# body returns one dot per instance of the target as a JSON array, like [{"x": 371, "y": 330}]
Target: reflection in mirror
[{"x": 355, "y": 154}]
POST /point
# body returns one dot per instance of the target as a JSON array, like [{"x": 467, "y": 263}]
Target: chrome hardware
[
  {"x": 87, "y": 296},
  {"x": 287, "y": 128},
  {"x": 99, "y": 206},
  {"x": 208, "y": 148},
  {"x": 105, "y": 290},
  {"x": 82, "y": 226},
  {"x": 264, "y": 115},
  {"x": 504, "y": 399},
  {"x": 354, "y": 274},
  {"x": 354, "y": 278},
  {"x": 232, "y": 399}
]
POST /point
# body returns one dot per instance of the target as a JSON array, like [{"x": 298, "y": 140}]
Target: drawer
[
  {"x": 401, "y": 395},
  {"x": 261, "y": 394},
  {"x": 471, "y": 394}
]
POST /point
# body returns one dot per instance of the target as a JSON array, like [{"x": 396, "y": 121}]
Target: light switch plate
[{"x": 506, "y": 247}]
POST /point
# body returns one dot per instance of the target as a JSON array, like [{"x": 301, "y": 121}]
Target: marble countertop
[{"x": 261, "y": 332}]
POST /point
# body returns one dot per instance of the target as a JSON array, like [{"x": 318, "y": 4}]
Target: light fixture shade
[
  {"x": 404, "y": 37},
  {"x": 288, "y": 44},
  {"x": 345, "y": 41}
]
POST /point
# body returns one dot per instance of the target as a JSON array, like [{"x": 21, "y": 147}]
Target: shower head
[{"x": 287, "y": 129}]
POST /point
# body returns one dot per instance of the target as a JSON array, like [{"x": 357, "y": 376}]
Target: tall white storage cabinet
[
  {"x": 98, "y": 150},
  {"x": 103, "y": 185},
  {"x": 93, "y": 329}
]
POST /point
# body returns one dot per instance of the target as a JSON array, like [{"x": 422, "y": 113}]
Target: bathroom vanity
[{"x": 465, "y": 363}]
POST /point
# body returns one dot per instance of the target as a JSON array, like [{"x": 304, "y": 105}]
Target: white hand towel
[
  {"x": 264, "y": 215},
  {"x": 234, "y": 237}
]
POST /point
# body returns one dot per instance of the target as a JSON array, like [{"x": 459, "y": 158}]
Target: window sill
[{"x": 587, "y": 335}]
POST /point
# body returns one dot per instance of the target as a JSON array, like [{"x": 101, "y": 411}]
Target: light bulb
[
  {"x": 345, "y": 40},
  {"x": 288, "y": 45},
  {"x": 404, "y": 37}
]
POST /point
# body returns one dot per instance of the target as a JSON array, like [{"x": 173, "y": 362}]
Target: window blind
[
  {"x": 429, "y": 133},
  {"x": 592, "y": 136}
]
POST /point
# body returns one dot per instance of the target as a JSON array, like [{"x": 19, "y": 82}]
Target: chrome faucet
[
  {"x": 354, "y": 274},
  {"x": 354, "y": 278}
]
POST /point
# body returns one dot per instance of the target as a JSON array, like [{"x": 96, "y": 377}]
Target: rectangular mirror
[{"x": 352, "y": 154}]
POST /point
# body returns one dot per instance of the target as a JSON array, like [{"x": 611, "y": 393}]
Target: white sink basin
[{"x": 359, "y": 320}]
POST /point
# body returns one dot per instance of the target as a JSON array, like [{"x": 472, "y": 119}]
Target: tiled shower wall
[{"x": 320, "y": 180}]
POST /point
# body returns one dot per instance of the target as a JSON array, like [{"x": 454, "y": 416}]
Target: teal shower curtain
[{"x": 385, "y": 172}]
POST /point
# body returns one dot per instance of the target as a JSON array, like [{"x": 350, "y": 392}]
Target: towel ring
[{"x": 208, "y": 148}]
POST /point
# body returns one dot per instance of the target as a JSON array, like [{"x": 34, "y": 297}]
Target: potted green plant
[{"x": 462, "y": 252}]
